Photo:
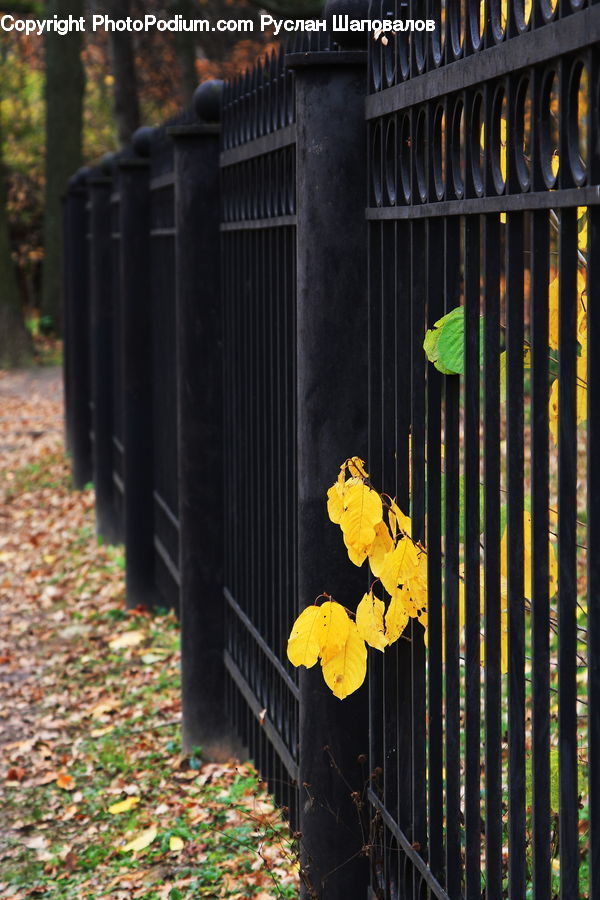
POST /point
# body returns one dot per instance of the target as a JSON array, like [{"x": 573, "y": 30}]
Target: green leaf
[
  {"x": 444, "y": 344},
  {"x": 451, "y": 344}
]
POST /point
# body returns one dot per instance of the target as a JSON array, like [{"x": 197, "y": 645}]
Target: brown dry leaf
[
  {"x": 127, "y": 639},
  {"x": 66, "y": 782}
]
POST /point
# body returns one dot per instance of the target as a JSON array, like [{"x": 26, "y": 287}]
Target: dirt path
[
  {"x": 30, "y": 428},
  {"x": 96, "y": 798}
]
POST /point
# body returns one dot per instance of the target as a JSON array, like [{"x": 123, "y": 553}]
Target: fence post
[
  {"x": 77, "y": 330},
  {"x": 134, "y": 223},
  {"x": 102, "y": 354},
  {"x": 200, "y": 424},
  {"x": 332, "y": 425}
]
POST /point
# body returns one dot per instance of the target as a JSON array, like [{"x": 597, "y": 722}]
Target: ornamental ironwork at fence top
[{"x": 238, "y": 325}]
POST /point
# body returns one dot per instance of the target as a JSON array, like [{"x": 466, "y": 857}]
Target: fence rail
[{"x": 239, "y": 324}]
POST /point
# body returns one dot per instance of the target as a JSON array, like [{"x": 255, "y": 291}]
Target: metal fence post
[
  {"x": 102, "y": 353},
  {"x": 332, "y": 425},
  {"x": 200, "y": 424},
  {"x": 77, "y": 330},
  {"x": 134, "y": 182}
]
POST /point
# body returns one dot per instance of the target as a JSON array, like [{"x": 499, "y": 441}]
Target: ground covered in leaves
[{"x": 96, "y": 798}]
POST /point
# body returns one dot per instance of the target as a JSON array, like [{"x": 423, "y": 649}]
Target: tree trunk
[
  {"x": 122, "y": 58},
  {"x": 185, "y": 44},
  {"x": 64, "y": 117},
  {"x": 14, "y": 341}
]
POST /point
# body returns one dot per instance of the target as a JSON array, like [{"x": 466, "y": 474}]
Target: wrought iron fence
[
  {"x": 258, "y": 177},
  {"x": 482, "y": 184},
  {"x": 482, "y": 190},
  {"x": 164, "y": 367}
]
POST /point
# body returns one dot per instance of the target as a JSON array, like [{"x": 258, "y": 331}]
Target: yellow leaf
[
  {"x": 555, "y": 163},
  {"x": 175, "y": 844},
  {"x": 582, "y": 236},
  {"x": 346, "y": 671},
  {"x": 398, "y": 565},
  {"x": 398, "y": 521},
  {"x": 396, "y": 616},
  {"x": 553, "y": 411},
  {"x": 123, "y": 806},
  {"x": 553, "y": 314},
  {"x": 363, "y": 510},
  {"x": 357, "y": 555},
  {"x": 335, "y": 496},
  {"x": 318, "y": 631},
  {"x": 369, "y": 621},
  {"x": 381, "y": 546},
  {"x": 334, "y": 629},
  {"x": 143, "y": 840},
  {"x": 128, "y": 639},
  {"x": 304, "y": 641},
  {"x": 356, "y": 467}
]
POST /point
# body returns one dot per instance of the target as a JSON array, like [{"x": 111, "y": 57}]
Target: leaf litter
[{"x": 97, "y": 799}]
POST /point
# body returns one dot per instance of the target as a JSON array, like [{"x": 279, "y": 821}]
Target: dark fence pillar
[
  {"x": 134, "y": 183},
  {"x": 332, "y": 425},
  {"x": 102, "y": 355},
  {"x": 200, "y": 422},
  {"x": 77, "y": 331}
]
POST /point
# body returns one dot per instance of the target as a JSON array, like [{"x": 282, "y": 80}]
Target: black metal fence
[
  {"x": 258, "y": 185},
  {"x": 475, "y": 770}
]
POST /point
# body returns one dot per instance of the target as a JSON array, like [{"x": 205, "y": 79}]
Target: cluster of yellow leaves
[
  {"x": 327, "y": 633},
  {"x": 383, "y": 536}
]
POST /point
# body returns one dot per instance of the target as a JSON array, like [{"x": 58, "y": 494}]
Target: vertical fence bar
[
  {"x": 134, "y": 226},
  {"x": 593, "y": 496},
  {"x": 594, "y": 549},
  {"x": 200, "y": 421},
  {"x": 332, "y": 415},
  {"x": 77, "y": 324},
  {"x": 515, "y": 555},
  {"x": 540, "y": 616},
  {"x": 102, "y": 353},
  {"x": 567, "y": 556}
]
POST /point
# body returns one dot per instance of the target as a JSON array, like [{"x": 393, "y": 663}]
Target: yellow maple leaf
[
  {"x": 346, "y": 671},
  {"x": 396, "y": 617},
  {"x": 123, "y": 806},
  {"x": 143, "y": 840},
  {"x": 369, "y": 621},
  {"x": 175, "y": 843}
]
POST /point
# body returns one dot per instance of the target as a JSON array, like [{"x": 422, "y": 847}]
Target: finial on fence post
[
  {"x": 207, "y": 100},
  {"x": 142, "y": 140},
  {"x": 80, "y": 177}
]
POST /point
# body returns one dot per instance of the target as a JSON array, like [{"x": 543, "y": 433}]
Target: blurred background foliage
[{"x": 65, "y": 101}]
